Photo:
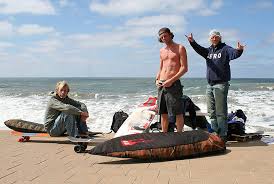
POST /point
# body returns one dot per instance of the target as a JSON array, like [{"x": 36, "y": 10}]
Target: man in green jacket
[{"x": 64, "y": 114}]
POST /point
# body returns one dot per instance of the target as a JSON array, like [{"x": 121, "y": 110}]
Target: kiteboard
[{"x": 140, "y": 119}]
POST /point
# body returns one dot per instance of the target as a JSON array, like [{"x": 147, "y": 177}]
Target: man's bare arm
[
  {"x": 183, "y": 61},
  {"x": 159, "y": 72}
]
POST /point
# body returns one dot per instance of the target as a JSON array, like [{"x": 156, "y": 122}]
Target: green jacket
[{"x": 57, "y": 105}]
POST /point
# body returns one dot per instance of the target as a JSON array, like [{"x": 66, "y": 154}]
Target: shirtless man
[{"x": 173, "y": 65}]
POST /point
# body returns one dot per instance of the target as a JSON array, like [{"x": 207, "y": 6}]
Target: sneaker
[{"x": 83, "y": 135}]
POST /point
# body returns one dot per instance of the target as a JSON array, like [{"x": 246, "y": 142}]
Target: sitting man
[{"x": 64, "y": 114}]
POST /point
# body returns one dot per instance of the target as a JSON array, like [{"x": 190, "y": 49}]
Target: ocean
[{"x": 26, "y": 98}]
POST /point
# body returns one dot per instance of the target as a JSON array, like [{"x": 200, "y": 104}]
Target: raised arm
[
  {"x": 198, "y": 48},
  {"x": 235, "y": 53}
]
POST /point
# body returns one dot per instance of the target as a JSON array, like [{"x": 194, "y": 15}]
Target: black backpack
[
  {"x": 118, "y": 119},
  {"x": 235, "y": 125}
]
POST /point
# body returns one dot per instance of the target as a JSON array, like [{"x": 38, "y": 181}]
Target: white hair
[{"x": 214, "y": 32}]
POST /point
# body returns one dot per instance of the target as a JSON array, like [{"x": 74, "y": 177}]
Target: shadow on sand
[{"x": 140, "y": 161}]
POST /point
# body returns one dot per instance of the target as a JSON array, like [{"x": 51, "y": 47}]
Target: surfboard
[
  {"x": 162, "y": 146},
  {"x": 20, "y": 125}
]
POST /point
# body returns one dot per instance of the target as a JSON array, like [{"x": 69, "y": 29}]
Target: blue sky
[{"x": 118, "y": 38}]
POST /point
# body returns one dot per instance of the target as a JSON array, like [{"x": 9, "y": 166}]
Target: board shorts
[{"x": 170, "y": 99}]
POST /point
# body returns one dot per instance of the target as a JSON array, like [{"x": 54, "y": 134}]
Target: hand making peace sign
[
  {"x": 240, "y": 47},
  {"x": 190, "y": 37}
]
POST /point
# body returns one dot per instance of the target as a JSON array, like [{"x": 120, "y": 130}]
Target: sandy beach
[{"x": 52, "y": 160}]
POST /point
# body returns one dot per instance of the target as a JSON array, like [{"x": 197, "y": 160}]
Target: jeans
[
  {"x": 216, "y": 97},
  {"x": 68, "y": 123}
]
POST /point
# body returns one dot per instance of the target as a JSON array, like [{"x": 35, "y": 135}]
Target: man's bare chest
[{"x": 170, "y": 55}]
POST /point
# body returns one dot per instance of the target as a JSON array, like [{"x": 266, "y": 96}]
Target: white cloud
[
  {"x": 34, "y": 29},
  {"x": 101, "y": 40},
  {"x": 230, "y": 35},
  {"x": 271, "y": 40},
  {"x": 45, "y": 46},
  {"x": 131, "y": 34},
  {"x": 102, "y": 26},
  {"x": 6, "y": 28},
  {"x": 38, "y": 7},
  {"x": 263, "y": 4},
  {"x": 121, "y": 7},
  {"x": 206, "y": 12},
  {"x": 125, "y": 7},
  {"x": 267, "y": 41},
  {"x": 157, "y": 20},
  {"x": 216, "y": 4},
  {"x": 4, "y": 55},
  {"x": 65, "y": 3},
  {"x": 148, "y": 26},
  {"x": 4, "y": 45},
  {"x": 212, "y": 9}
]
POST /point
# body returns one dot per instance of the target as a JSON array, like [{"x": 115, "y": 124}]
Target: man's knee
[
  {"x": 68, "y": 117},
  {"x": 164, "y": 116},
  {"x": 180, "y": 116}
]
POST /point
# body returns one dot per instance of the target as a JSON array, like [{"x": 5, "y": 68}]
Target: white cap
[{"x": 214, "y": 32}]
